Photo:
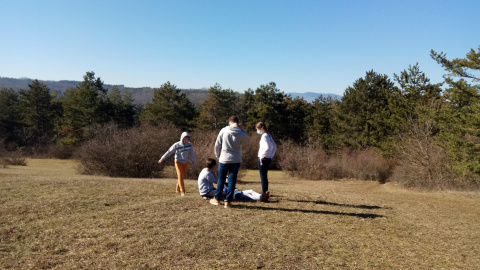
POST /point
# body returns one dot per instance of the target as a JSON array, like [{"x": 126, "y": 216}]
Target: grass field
[{"x": 53, "y": 218}]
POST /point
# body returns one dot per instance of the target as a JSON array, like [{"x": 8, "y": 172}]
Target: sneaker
[
  {"x": 214, "y": 201},
  {"x": 205, "y": 198},
  {"x": 182, "y": 194},
  {"x": 228, "y": 204}
]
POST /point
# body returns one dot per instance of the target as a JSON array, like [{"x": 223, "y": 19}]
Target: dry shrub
[
  {"x": 310, "y": 162},
  {"x": 302, "y": 161},
  {"x": 3, "y": 162},
  {"x": 15, "y": 161},
  {"x": 250, "y": 153},
  {"x": 14, "y": 158},
  {"x": 126, "y": 153},
  {"x": 61, "y": 151},
  {"x": 8, "y": 156},
  {"x": 362, "y": 165},
  {"x": 422, "y": 163},
  {"x": 204, "y": 145}
]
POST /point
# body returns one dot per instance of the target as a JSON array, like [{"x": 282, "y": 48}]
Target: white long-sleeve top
[{"x": 267, "y": 146}]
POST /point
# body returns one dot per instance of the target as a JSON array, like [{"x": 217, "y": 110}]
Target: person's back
[
  {"x": 228, "y": 146},
  {"x": 228, "y": 150}
]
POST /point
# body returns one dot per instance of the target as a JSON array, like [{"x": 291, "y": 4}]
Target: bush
[
  {"x": 363, "y": 165},
  {"x": 423, "y": 164},
  {"x": 16, "y": 161},
  {"x": 310, "y": 162},
  {"x": 126, "y": 153},
  {"x": 3, "y": 163},
  {"x": 302, "y": 161},
  {"x": 250, "y": 153},
  {"x": 14, "y": 158},
  {"x": 204, "y": 145},
  {"x": 61, "y": 150}
]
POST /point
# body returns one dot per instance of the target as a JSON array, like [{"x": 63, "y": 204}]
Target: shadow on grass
[
  {"x": 253, "y": 201},
  {"x": 343, "y": 205},
  {"x": 239, "y": 181},
  {"x": 359, "y": 215}
]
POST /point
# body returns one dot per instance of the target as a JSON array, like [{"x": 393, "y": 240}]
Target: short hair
[
  {"x": 210, "y": 163},
  {"x": 233, "y": 119}
]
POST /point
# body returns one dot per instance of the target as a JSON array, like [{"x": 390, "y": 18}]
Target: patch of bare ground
[{"x": 53, "y": 218}]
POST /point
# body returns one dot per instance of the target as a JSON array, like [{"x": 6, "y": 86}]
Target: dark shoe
[{"x": 265, "y": 196}]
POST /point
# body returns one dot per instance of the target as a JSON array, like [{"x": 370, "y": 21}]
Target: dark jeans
[
  {"x": 263, "y": 173},
  {"x": 232, "y": 169},
  {"x": 210, "y": 194}
]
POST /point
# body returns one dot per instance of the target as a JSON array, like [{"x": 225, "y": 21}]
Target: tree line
[{"x": 375, "y": 112}]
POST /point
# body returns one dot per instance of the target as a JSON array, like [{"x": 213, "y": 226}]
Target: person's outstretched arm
[{"x": 170, "y": 151}]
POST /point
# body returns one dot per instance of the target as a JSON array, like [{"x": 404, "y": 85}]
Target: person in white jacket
[
  {"x": 183, "y": 153},
  {"x": 266, "y": 152}
]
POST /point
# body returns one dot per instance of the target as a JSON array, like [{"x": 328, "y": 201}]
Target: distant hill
[
  {"x": 310, "y": 96},
  {"x": 140, "y": 95}
]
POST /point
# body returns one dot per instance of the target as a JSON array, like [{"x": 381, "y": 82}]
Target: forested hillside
[{"x": 140, "y": 95}]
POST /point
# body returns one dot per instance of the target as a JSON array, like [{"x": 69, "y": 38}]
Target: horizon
[
  {"x": 303, "y": 47},
  {"x": 128, "y": 87}
]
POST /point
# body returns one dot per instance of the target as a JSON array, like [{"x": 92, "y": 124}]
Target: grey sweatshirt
[
  {"x": 182, "y": 152},
  {"x": 228, "y": 147},
  {"x": 206, "y": 181}
]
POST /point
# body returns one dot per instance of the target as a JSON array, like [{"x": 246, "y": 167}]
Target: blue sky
[{"x": 302, "y": 45}]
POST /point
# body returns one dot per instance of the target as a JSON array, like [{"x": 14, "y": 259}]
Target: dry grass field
[{"x": 53, "y": 218}]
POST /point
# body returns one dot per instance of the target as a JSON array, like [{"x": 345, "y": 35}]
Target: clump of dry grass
[
  {"x": 51, "y": 217},
  {"x": 12, "y": 159}
]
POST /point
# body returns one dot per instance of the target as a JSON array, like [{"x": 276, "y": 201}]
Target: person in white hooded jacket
[{"x": 183, "y": 153}]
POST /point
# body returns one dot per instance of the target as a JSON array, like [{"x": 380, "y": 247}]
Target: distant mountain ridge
[
  {"x": 141, "y": 95},
  {"x": 311, "y": 96}
]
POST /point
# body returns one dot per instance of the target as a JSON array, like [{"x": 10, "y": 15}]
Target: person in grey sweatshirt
[
  {"x": 183, "y": 153},
  {"x": 228, "y": 150}
]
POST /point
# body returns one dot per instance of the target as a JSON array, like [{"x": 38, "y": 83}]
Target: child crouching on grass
[
  {"x": 206, "y": 180},
  {"x": 183, "y": 153}
]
